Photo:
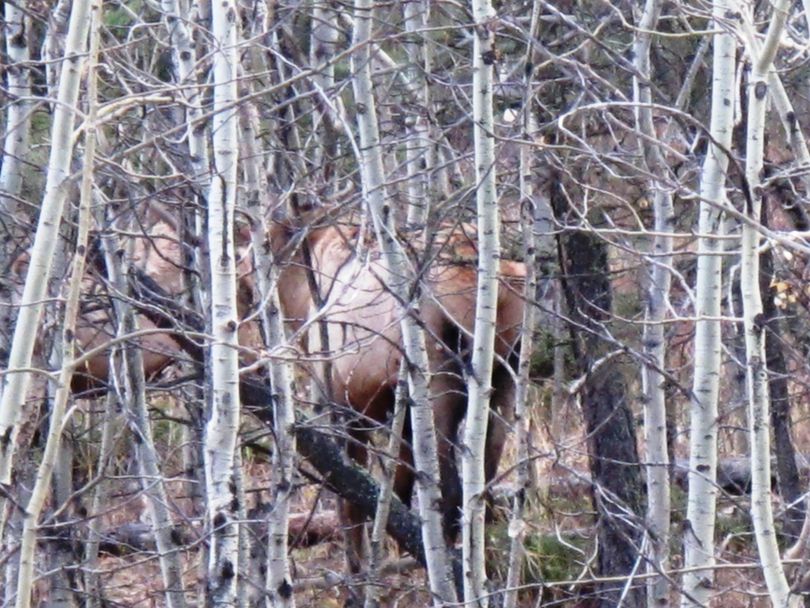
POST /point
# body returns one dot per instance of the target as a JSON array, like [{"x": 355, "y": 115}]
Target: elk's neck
[{"x": 294, "y": 293}]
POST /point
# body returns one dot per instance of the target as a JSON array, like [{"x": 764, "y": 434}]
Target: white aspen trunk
[
  {"x": 325, "y": 37},
  {"x": 517, "y": 525},
  {"x": 15, "y": 148},
  {"x": 419, "y": 151},
  {"x": 184, "y": 58},
  {"x": 243, "y": 595},
  {"x": 221, "y": 431},
  {"x": 757, "y": 373},
  {"x": 440, "y": 578},
  {"x": 15, "y": 384},
  {"x": 473, "y": 481},
  {"x": 58, "y": 415},
  {"x": 146, "y": 454},
  {"x": 702, "y": 497},
  {"x": 781, "y": 101},
  {"x": 54, "y": 46},
  {"x": 18, "y": 113},
  {"x": 653, "y": 340},
  {"x": 279, "y": 580},
  {"x": 377, "y": 544}
]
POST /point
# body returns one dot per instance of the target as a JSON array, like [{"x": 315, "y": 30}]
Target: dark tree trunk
[
  {"x": 617, "y": 485},
  {"x": 787, "y": 473}
]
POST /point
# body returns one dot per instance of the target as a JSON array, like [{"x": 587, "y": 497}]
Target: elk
[
  {"x": 363, "y": 332},
  {"x": 157, "y": 253},
  {"x": 363, "y": 327}
]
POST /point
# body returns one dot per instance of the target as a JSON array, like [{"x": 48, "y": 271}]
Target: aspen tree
[
  {"x": 18, "y": 112},
  {"x": 702, "y": 497},
  {"x": 59, "y": 414},
  {"x": 425, "y": 452},
  {"x": 419, "y": 151},
  {"x": 15, "y": 383},
  {"x": 517, "y": 523},
  {"x": 377, "y": 543},
  {"x": 279, "y": 580},
  {"x": 480, "y": 378},
  {"x": 756, "y": 370},
  {"x": 653, "y": 340},
  {"x": 222, "y": 428}
]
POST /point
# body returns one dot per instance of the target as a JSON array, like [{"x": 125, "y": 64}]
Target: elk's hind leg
[
  {"x": 359, "y": 428},
  {"x": 449, "y": 403},
  {"x": 352, "y": 518},
  {"x": 501, "y": 418}
]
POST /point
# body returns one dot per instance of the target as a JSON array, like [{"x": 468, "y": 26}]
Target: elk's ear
[
  {"x": 19, "y": 267},
  {"x": 242, "y": 227}
]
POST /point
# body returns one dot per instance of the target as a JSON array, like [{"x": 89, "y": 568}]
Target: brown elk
[
  {"x": 157, "y": 253},
  {"x": 363, "y": 320}
]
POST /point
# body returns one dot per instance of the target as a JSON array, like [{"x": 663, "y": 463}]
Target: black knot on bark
[
  {"x": 760, "y": 90},
  {"x": 176, "y": 537},
  {"x": 489, "y": 57},
  {"x": 228, "y": 571},
  {"x": 285, "y": 589},
  {"x": 219, "y": 520}
]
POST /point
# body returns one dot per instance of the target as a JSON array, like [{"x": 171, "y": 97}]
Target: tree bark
[
  {"x": 479, "y": 381},
  {"x": 59, "y": 414},
  {"x": 702, "y": 496},
  {"x": 617, "y": 487},
  {"x": 753, "y": 317},
  {"x": 279, "y": 580},
  {"x": 15, "y": 384},
  {"x": 653, "y": 339},
  {"x": 517, "y": 524},
  {"x": 222, "y": 428}
]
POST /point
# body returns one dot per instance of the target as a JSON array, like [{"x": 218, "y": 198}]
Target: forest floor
[{"x": 560, "y": 542}]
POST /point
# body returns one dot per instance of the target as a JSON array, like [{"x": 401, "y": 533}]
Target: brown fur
[{"x": 363, "y": 319}]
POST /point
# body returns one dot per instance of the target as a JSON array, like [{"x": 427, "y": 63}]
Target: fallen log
[{"x": 306, "y": 530}]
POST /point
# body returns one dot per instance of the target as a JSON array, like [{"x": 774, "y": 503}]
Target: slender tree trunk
[
  {"x": 653, "y": 340},
  {"x": 517, "y": 523},
  {"x": 53, "y": 49},
  {"x": 419, "y": 150},
  {"x": 111, "y": 419},
  {"x": 15, "y": 384},
  {"x": 58, "y": 415},
  {"x": 426, "y": 461},
  {"x": 279, "y": 580},
  {"x": 702, "y": 497},
  {"x": 18, "y": 113},
  {"x": 15, "y": 145},
  {"x": 146, "y": 454},
  {"x": 753, "y": 318},
  {"x": 222, "y": 428},
  {"x": 479, "y": 381},
  {"x": 325, "y": 37}
]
